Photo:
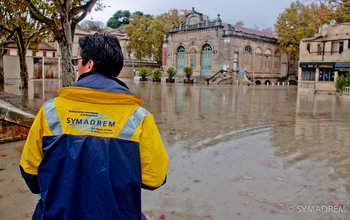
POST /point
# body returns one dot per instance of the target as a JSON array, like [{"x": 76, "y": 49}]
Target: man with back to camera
[{"x": 92, "y": 148}]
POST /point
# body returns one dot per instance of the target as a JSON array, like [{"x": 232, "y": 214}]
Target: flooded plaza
[{"x": 236, "y": 152}]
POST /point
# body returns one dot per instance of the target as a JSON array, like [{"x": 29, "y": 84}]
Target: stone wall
[
  {"x": 15, "y": 122},
  {"x": 193, "y": 41},
  {"x": 12, "y": 68},
  {"x": 12, "y": 132},
  {"x": 50, "y": 68},
  {"x": 129, "y": 65}
]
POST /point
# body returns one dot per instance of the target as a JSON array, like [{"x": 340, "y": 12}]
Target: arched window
[
  {"x": 267, "y": 59},
  {"x": 248, "y": 49},
  {"x": 277, "y": 59},
  {"x": 277, "y": 53},
  {"x": 206, "y": 60},
  {"x": 193, "y": 50},
  {"x": 181, "y": 49},
  {"x": 193, "y": 58},
  {"x": 180, "y": 59},
  {"x": 268, "y": 52},
  {"x": 206, "y": 47},
  {"x": 258, "y": 51}
]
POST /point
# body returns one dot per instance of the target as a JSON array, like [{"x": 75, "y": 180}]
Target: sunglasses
[{"x": 75, "y": 61}]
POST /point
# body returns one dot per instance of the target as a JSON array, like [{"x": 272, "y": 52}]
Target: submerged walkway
[
  {"x": 16, "y": 116},
  {"x": 302, "y": 142}
]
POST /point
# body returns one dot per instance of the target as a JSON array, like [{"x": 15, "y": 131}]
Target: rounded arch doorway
[
  {"x": 206, "y": 64},
  {"x": 180, "y": 59}
]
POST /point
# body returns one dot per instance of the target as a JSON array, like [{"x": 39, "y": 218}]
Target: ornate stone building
[{"x": 208, "y": 46}]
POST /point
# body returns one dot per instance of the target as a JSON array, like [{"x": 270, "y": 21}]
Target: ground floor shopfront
[{"x": 321, "y": 76}]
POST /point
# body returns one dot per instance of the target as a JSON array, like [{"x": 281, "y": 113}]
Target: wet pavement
[{"x": 236, "y": 152}]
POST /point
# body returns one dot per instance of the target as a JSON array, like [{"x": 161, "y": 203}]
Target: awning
[
  {"x": 317, "y": 64},
  {"x": 335, "y": 65},
  {"x": 342, "y": 65}
]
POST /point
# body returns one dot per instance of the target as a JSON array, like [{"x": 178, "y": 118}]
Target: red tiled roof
[
  {"x": 251, "y": 31},
  {"x": 41, "y": 46},
  {"x": 256, "y": 32},
  {"x": 46, "y": 46}
]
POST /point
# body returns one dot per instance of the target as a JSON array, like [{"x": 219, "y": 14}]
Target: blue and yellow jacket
[{"x": 90, "y": 150}]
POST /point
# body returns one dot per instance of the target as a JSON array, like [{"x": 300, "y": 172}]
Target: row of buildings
[
  {"x": 208, "y": 46},
  {"x": 212, "y": 46},
  {"x": 43, "y": 59},
  {"x": 324, "y": 57}
]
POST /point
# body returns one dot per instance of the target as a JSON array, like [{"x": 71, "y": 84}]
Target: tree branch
[
  {"x": 59, "y": 7},
  {"x": 67, "y": 6},
  {"x": 4, "y": 44},
  {"x": 8, "y": 40},
  {"x": 29, "y": 39},
  {"x": 5, "y": 28},
  {"x": 35, "y": 13},
  {"x": 83, "y": 8}
]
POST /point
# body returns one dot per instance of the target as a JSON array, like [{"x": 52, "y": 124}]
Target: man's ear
[{"x": 90, "y": 66}]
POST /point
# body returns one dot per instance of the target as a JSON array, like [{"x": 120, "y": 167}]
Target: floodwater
[{"x": 236, "y": 152}]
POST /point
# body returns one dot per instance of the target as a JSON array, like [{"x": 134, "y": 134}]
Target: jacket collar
[
  {"x": 98, "y": 88},
  {"x": 99, "y": 81}
]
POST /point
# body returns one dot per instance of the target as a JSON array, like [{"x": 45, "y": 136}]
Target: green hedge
[
  {"x": 343, "y": 81},
  {"x": 143, "y": 72},
  {"x": 171, "y": 73},
  {"x": 157, "y": 73}
]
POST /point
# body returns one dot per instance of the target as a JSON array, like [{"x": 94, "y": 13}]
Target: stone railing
[
  {"x": 209, "y": 24},
  {"x": 346, "y": 91}
]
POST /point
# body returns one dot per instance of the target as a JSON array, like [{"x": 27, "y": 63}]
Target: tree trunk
[
  {"x": 2, "y": 50},
  {"x": 65, "y": 43},
  {"x": 22, "y": 50},
  {"x": 68, "y": 76},
  {"x": 23, "y": 68},
  {"x": 63, "y": 30}
]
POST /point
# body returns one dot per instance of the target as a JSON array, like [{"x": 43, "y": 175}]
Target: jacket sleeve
[
  {"x": 32, "y": 153},
  {"x": 154, "y": 158}
]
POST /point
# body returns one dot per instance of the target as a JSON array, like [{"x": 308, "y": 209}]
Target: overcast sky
[{"x": 254, "y": 13}]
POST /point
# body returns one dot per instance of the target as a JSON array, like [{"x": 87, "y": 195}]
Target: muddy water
[
  {"x": 250, "y": 152},
  {"x": 241, "y": 152}
]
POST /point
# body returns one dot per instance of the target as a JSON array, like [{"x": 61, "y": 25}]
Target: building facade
[
  {"x": 324, "y": 57},
  {"x": 126, "y": 72},
  {"x": 122, "y": 37},
  {"x": 208, "y": 46},
  {"x": 35, "y": 57},
  {"x": 43, "y": 59}
]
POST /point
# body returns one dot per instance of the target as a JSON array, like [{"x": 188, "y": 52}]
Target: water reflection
[
  {"x": 38, "y": 89},
  {"x": 318, "y": 137},
  {"x": 295, "y": 148},
  {"x": 191, "y": 113},
  {"x": 238, "y": 151}
]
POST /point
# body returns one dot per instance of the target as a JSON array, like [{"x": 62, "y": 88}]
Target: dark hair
[{"x": 105, "y": 51}]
